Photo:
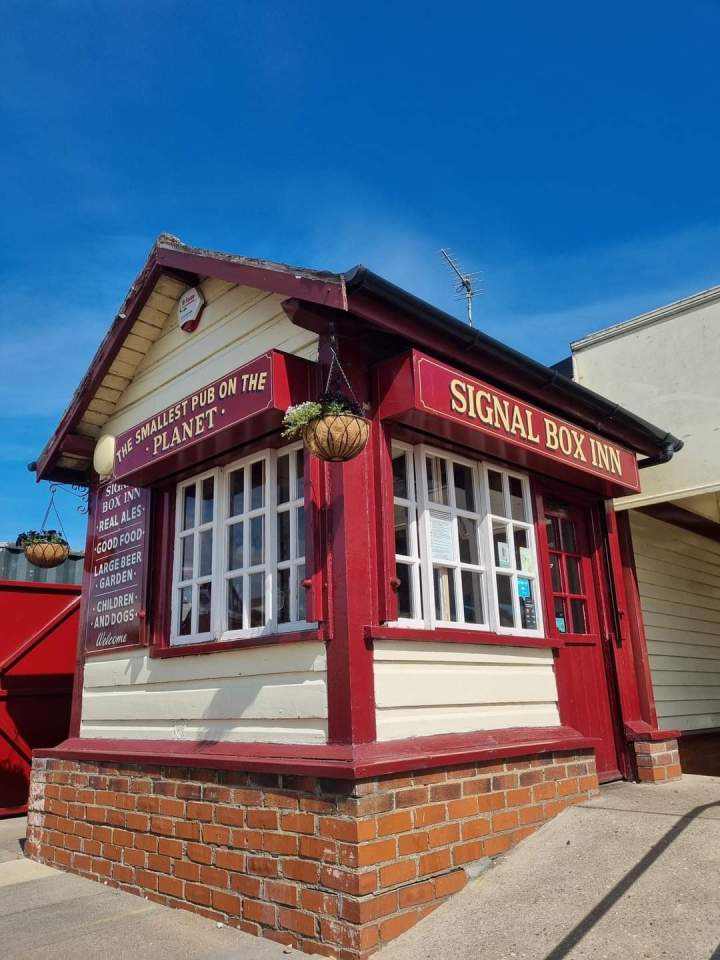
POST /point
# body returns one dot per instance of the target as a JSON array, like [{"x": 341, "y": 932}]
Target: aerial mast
[{"x": 465, "y": 282}]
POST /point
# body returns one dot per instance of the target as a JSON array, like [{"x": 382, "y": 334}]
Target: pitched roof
[{"x": 173, "y": 267}]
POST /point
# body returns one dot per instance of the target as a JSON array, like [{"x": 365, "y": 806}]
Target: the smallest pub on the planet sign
[
  {"x": 190, "y": 307},
  {"x": 116, "y": 598}
]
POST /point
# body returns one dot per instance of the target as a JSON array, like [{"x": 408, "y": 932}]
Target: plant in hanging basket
[
  {"x": 43, "y": 548},
  {"x": 333, "y": 427}
]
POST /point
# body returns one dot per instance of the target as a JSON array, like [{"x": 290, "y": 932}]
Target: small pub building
[{"x": 312, "y": 696}]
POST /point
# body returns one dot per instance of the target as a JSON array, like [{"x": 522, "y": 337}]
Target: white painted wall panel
[
  {"x": 266, "y": 694},
  {"x": 664, "y": 368},
  {"x": 237, "y": 325},
  {"x": 430, "y": 688},
  {"x": 679, "y": 583}
]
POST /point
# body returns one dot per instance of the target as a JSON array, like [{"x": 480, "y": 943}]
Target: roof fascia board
[{"x": 325, "y": 291}]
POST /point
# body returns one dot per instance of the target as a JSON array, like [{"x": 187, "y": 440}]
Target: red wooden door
[{"x": 574, "y": 573}]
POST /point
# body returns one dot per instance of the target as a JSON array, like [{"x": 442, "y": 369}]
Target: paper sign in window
[
  {"x": 441, "y": 537},
  {"x": 527, "y": 561}
]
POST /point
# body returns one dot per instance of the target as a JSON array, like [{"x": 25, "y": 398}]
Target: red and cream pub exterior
[{"x": 312, "y": 697}]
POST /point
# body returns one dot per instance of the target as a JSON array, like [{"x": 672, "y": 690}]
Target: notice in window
[
  {"x": 441, "y": 537},
  {"x": 527, "y": 561}
]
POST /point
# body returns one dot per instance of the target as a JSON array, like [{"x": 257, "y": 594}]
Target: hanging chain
[
  {"x": 52, "y": 506},
  {"x": 335, "y": 364}
]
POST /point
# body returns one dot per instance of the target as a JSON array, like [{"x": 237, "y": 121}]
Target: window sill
[
  {"x": 214, "y": 646},
  {"x": 450, "y": 635}
]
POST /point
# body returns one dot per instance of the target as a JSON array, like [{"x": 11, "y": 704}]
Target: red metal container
[{"x": 39, "y": 625}]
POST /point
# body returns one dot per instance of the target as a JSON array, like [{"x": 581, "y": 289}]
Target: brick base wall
[
  {"x": 332, "y": 867},
  {"x": 658, "y": 762}
]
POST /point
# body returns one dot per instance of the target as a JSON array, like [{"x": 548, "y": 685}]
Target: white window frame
[
  {"x": 222, "y": 520},
  {"x": 421, "y": 509}
]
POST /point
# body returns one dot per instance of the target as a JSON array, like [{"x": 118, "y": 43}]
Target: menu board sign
[{"x": 115, "y": 606}]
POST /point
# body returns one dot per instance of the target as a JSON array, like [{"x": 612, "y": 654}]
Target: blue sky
[{"x": 567, "y": 151}]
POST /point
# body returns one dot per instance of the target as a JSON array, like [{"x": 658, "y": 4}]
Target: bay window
[
  {"x": 239, "y": 562},
  {"x": 464, "y": 544}
]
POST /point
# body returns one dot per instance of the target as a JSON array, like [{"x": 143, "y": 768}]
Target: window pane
[
  {"x": 568, "y": 536},
  {"x": 186, "y": 567},
  {"x": 257, "y": 599},
  {"x": 436, "y": 470},
  {"x": 185, "y": 625},
  {"x": 399, "y": 468},
  {"x": 523, "y": 554},
  {"x": 555, "y": 573},
  {"x": 472, "y": 596},
  {"x": 404, "y": 593},
  {"x": 505, "y": 602},
  {"x": 560, "y": 618},
  {"x": 572, "y": 565},
  {"x": 257, "y": 485},
  {"x": 301, "y": 591},
  {"x": 283, "y": 536},
  {"x": 553, "y": 533},
  {"x": 497, "y": 500},
  {"x": 237, "y": 492},
  {"x": 444, "y": 586},
  {"x": 235, "y": 603},
  {"x": 189, "y": 507},
  {"x": 468, "y": 540},
  {"x": 283, "y": 596},
  {"x": 402, "y": 531},
  {"x": 526, "y": 596},
  {"x": 283, "y": 478},
  {"x": 206, "y": 545},
  {"x": 257, "y": 541},
  {"x": 300, "y": 520},
  {"x": 464, "y": 490},
  {"x": 501, "y": 545},
  {"x": 579, "y": 622},
  {"x": 204, "y": 602},
  {"x": 517, "y": 501},
  {"x": 299, "y": 475},
  {"x": 235, "y": 546},
  {"x": 208, "y": 494}
]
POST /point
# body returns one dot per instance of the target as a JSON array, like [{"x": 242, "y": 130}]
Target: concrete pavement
[
  {"x": 633, "y": 874},
  {"x": 47, "y": 914}
]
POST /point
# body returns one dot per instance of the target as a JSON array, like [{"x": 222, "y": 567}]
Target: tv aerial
[{"x": 466, "y": 282}]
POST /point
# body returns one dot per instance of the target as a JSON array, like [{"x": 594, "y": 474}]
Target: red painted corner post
[{"x": 352, "y": 572}]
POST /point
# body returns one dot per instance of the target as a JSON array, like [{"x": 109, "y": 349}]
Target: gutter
[{"x": 362, "y": 279}]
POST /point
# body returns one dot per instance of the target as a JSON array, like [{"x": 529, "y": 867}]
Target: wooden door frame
[{"x": 602, "y": 595}]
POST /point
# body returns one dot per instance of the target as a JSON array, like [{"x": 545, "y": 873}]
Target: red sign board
[
  {"x": 424, "y": 392},
  {"x": 214, "y": 418},
  {"x": 116, "y": 570}
]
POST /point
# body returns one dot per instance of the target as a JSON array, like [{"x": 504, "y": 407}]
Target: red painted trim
[
  {"x": 351, "y": 570},
  {"x": 449, "y": 635},
  {"x": 685, "y": 519},
  {"x": 639, "y": 731},
  {"x": 193, "y": 649},
  {"x": 316, "y": 575},
  {"x": 384, "y": 522},
  {"x": 635, "y": 624},
  {"x": 345, "y": 762},
  {"x": 162, "y": 545},
  {"x": 685, "y": 734},
  {"x": 13, "y": 811},
  {"x": 35, "y": 586}
]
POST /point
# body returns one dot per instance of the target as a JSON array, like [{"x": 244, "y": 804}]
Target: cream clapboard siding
[
  {"x": 429, "y": 688},
  {"x": 276, "y": 693},
  {"x": 237, "y": 325},
  {"x": 263, "y": 694},
  {"x": 679, "y": 582}
]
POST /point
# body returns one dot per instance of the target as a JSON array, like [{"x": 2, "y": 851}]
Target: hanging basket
[
  {"x": 44, "y": 554},
  {"x": 337, "y": 437}
]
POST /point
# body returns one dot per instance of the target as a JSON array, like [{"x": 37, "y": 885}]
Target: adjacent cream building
[{"x": 664, "y": 364}]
